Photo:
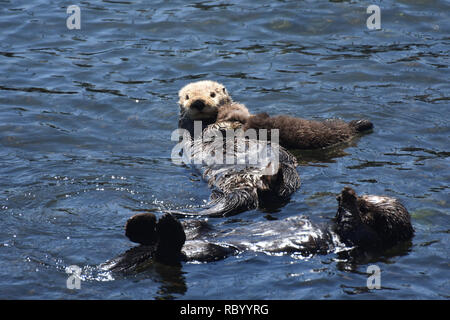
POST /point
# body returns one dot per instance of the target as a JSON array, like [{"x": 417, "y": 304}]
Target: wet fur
[
  {"x": 366, "y": 223},
  {"x": 297, "y": 133},
  {"x": 233, "y": 112},
  {"x": 241, "y": 187},
  {"x": 294, "y": 132},
  {"x": 245, "y": 189},
  {"x": 236, "y": 188}
]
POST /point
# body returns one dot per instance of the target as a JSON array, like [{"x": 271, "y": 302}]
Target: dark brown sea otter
[
  {"x": 365, "y": 223},
  {"x": 297, "y": 133}
]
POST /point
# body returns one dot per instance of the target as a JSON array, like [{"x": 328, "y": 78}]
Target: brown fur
[
  {"x": 387, "y": 216},
  {"x": 300, "y": 133},
  {"x": 367, "y": 223},
  {"x": 371, "y": 221},
  {"x": 217, "y": 106},
  {"x": 238, "y": 187},
  {"x": 233, "y": 112}
]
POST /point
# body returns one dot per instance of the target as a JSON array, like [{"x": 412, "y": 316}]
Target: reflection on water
[{"x": 86, "y": 117}]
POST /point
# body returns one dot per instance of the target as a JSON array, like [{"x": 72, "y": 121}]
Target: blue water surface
[{"x": 86, "y": 118}]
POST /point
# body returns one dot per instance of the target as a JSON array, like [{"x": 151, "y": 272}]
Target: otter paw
[
  {"x": 140, "y": 228},
  {"x": 170, "y": 232}
]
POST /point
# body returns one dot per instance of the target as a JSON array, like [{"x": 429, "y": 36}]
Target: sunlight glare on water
[{"x": 86, "y": 118}]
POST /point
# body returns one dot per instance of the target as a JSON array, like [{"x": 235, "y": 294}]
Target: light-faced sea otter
[
  {"x": 243, "y": 171},
  {"x": 211, "y": 102},
  {"x": 364, "y": 223}
]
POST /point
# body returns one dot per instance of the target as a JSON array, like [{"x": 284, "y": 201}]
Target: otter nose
[{"x": 198, "y": 104}]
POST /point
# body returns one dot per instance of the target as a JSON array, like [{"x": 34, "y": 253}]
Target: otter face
[{"x": 202, "y": 99}]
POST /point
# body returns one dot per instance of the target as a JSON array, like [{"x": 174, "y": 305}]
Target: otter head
[
  {"x": 387, "y": 217},
  {"x": 201, "y": 100},
  {"x": 371, "y": 221}
]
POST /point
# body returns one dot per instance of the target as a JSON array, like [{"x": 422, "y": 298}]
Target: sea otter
[
  {"x": 244, "y": 172},
  {"x": 210, "y": 102},
  {"x": 297, "y": 133},
  {"x": 367, "y": 223}
]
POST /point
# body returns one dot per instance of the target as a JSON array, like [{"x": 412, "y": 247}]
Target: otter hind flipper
[
  {"x": 232, "y": 203},
  {"x": 224, "y": 205},
  {"x": 162, "y": 239},
  {"x": 171, "y": 238},
  {"x": 140, "y": 228}
]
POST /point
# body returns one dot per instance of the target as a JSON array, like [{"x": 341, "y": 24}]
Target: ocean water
[{"x": 86, "y": 118}]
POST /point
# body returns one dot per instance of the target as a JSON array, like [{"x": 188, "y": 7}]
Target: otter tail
[
  {"x": 224, "y": 205},
  {"x": 361, "y": 125}
]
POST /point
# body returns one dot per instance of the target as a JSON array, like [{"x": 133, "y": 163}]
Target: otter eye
[
  {"x": 213, "y": 94},
  {"x": 187, "y": 97},
  {"x": 224, "y": 90}
]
